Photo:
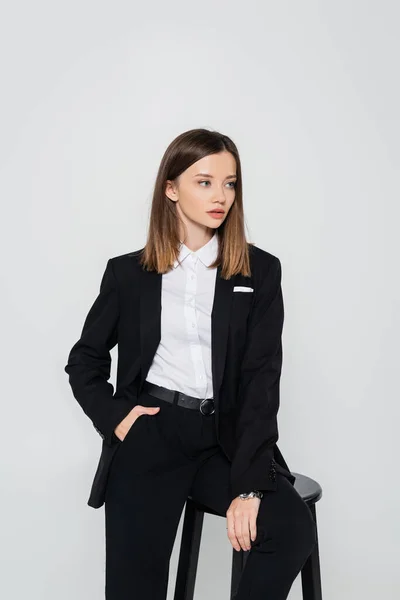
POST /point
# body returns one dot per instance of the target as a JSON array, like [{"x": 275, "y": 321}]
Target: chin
[{"x": 215, "y": 223}]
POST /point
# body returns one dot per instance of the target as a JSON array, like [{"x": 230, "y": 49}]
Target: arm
[
  {"x": 89, "y": 361},
  {"x": 252, "y": 466}
]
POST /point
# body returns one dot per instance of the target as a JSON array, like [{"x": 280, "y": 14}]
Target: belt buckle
[{"x": 201, "y": 405}]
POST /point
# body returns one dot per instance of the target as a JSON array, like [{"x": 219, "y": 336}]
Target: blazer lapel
[
  {"x": 150, "y": 323},
  {"x": 150, "y": 319},
  {"x": 220, "y": 318}
]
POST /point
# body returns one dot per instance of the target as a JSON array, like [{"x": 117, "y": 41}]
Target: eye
[{"x": 230, "y": 182}]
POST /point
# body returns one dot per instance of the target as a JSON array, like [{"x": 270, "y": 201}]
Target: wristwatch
[{"x": 253, "y": 494}]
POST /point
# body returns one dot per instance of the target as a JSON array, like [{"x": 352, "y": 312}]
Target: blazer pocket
[{"x": 242, "y": 288}]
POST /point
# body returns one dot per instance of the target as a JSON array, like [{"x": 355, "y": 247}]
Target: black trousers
[{"x": 164, "y": 458}]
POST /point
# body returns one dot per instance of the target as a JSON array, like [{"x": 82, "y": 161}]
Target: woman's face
[{"x": 207, "y": 185}]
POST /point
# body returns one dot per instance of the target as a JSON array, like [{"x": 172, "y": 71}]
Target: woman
[{"x": 198, "y": 315}]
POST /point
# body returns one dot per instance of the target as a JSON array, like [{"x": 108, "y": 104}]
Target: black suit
[{"x": 246, "y": 363}]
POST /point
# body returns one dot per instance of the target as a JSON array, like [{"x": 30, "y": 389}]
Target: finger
[
  {"x": 239, "y": 530},
  {"x": 146, "y": 410},
  {"x": 245, "y": 533},
  {"x": 238, "y": 527},
  {"x": 231, "y": 533},
  {"x": 253, "y": 528}
]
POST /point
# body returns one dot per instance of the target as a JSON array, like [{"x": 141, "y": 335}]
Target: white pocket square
[{"x": 242, "y": 288}]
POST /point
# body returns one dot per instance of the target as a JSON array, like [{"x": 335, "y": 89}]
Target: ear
[{"x": 171, "y": 191}]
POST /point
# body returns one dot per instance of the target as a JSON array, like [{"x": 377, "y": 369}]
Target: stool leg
[
  {"x": 238, "y": 564},
  {"x": 189, "y": 552},
  {"x": 311, "y": 572}
]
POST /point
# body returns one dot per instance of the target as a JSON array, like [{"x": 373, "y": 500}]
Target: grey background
[{"x": 91, "y": 95}]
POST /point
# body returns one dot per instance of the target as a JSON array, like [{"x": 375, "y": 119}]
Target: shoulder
[
  {"x": 127, "y": 257},
  {"x": 262, "y": 262},
  {"x": 124, "y": 265}
]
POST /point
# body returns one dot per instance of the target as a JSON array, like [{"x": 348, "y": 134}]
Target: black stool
[{"x": 309, "y": 490}]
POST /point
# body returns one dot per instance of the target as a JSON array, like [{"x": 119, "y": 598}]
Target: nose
[{"x": 220, "y": 195}]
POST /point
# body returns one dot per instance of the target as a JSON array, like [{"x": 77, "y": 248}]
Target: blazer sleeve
[
  {"x": 256, "y": 431},
  {"x": 89, "y": 361}
]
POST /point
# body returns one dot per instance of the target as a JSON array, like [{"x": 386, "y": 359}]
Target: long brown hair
[{"x": 163, "y": 243}]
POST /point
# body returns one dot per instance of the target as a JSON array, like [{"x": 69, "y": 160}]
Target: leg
[
  {"x": 286, "y": 532},
  {"x": 146, "y": 492}
]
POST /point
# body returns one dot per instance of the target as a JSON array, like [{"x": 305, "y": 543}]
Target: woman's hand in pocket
[{"x": 122, "y": 429}]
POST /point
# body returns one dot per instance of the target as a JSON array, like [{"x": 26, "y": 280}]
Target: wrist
[{"x": 252, "y": 494}]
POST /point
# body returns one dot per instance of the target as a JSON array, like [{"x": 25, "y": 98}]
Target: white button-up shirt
[{"x": 183, "y": 358}]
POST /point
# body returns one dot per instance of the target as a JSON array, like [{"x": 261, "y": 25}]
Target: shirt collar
[{"x": 207, "y": 253}]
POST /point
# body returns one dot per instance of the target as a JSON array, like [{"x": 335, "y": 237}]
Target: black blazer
[{"x": 246, "y": 363}]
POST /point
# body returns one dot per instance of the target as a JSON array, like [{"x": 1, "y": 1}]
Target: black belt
[{"x": 204, "y": 405}]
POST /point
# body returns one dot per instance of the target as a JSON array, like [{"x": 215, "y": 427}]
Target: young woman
[{"x": 197, "y": 315}]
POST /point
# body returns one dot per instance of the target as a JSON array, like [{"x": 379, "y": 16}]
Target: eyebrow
[{"x": 211, "y": 177}]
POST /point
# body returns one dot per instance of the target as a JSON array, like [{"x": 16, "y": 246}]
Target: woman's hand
[
  {"x": 241, "y": 519},
  {"x": 122, "y": 429}
]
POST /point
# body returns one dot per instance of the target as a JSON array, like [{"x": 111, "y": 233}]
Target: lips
[{"x": 216, "y": 214}]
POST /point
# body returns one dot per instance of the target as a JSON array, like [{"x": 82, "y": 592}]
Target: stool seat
[{"x": 309, "y": 490}]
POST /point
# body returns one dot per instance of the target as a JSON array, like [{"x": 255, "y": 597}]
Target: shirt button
[
  {"x": 192, "y": 277},
  {"x": 193, "y": 325}
]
